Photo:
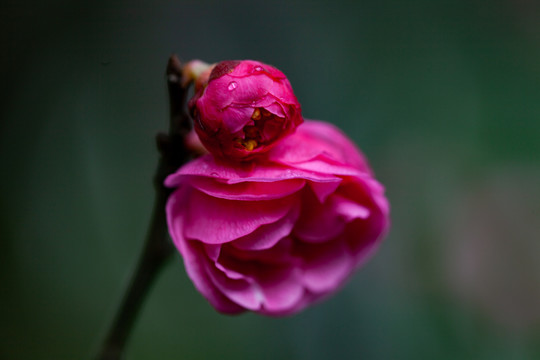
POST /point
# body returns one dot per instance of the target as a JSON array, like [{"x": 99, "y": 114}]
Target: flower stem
[
  {"x": 158, "y": 248},
  {"x": 156, "y": 251}
]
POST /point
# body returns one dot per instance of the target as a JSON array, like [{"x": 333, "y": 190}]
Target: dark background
[{"x": 442, "y": 96}]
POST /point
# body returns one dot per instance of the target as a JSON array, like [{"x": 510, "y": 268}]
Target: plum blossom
[{"x": 277, "y": 233}]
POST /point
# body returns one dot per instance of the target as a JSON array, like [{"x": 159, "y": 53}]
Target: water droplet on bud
[
  {"x": 258, "y": 68},
  {"x": 232, "y": 85}
]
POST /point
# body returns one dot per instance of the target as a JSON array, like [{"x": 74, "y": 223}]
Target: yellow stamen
[
  {"x": 256, "y": 114},
  {"x": 249, "y": 144}
]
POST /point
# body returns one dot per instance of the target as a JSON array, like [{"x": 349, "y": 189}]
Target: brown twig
[{"x": 158, "y": 247}]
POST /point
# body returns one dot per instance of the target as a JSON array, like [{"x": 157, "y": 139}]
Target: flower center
[{"x": 265, "y": 129}]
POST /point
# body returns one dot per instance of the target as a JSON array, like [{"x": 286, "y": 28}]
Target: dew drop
[
  {"x": 232, "y": 85},
  {"x": 258, "y": 68}
]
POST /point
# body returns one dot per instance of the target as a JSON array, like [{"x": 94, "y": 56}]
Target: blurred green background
[{"x": 442, "y": 96}]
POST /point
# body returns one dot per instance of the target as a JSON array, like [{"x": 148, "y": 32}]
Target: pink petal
[
  {"x": 231, "y": 274},
  {"x": 208, "y": 166},
  {"x": 306, "y": 299},
  {"x": 349, "y": 210},
  {"x": 322, "y": 222},
  {"x": 212, "y": 251},
  {"x": 266, "y": 236},
  {"x": 281, "y": 289},
  {"x": 248, "y": 89},
  {"x": 175, "y": 215},
  {"x": 365, "y": 190},
  {"x": 323, "y": 189},
  {"x": 251, "y": 261},
  {"x": 239, "y": 291},
  {"x": 216, "y": 221},
  {"x": 320, "y": 165},
  {"x": 195, "y": 262},
  {"x": 294, "y": 149},
  {"x": 276, "y": 109},
  {"x": 326, "y": 266},
  {"x": 283, "y": 91},
  {"x": 315, "y": 139},
  {"x": 318, "y": 224},
  {"x": 207, "y": 288},
  {"x": 246, "y": 190},
  {"x": 377, "y": 192},
  {"x": 363, "y": 236},
  {"x": 270, "y": 172},
  {"x": 275, "y": 285},
  {"x": 237, "y": 117},
  {"x": 264, "y": 102},
  {"x": 219, "y": 93}
]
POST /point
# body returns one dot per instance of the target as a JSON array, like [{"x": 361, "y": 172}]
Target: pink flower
[
  {"x": 243, "y": 108},
  {"x": 274, "y": 235}
]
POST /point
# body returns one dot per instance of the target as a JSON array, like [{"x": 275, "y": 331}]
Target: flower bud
[{"x": 243, "y": 109}]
